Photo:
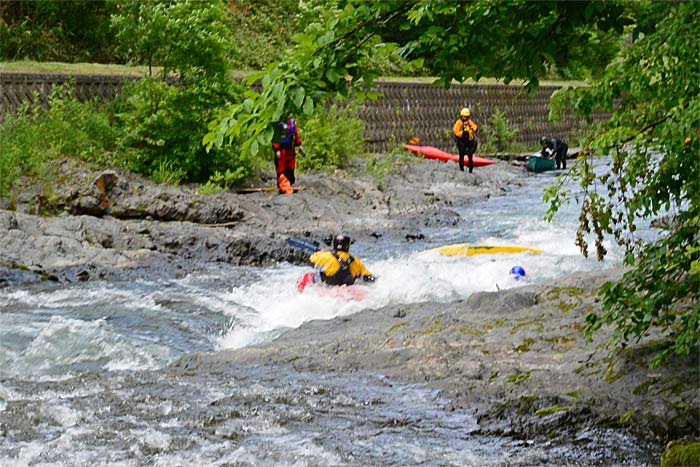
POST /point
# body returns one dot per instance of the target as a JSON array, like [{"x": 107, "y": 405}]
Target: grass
[
  {"x": 550, "y": 410},
  {"x": 56, "y": 67},
  {"x": 431, "y": 79},
  {"x": 29, "y": 66}
]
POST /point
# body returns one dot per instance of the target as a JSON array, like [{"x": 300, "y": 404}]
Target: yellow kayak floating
[{"x": 466, "y": 249}]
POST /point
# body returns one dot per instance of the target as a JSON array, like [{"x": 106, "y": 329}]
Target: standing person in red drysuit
[{"x": 284, "y": 144}]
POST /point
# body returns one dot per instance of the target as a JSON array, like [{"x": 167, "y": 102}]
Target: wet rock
[
  {"x": 400, "y": 313},
  {"x": 8, "y": 221},
  {"x": 412, "y": 237},
  {"x": 516, "y": 357},
  {"x": 509, "y": 300},
  {"x": 13, "y": 274},
  {"x": 89, "y": 205}
]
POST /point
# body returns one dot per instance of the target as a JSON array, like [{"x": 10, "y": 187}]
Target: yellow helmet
[{"x": 464, "y": 112}]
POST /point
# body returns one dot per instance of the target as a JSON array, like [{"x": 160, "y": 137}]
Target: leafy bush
[
  {"x": 183, "y": 37},
  {"x": 499, "y": 135},
  {"x": 165, "y": 117},
  {"x": 34, "y": 138},
  {"x": 231, "y": 178},
  {"x": 331, "y": 137},
  {"x": 163, "y": 127},
  {"x": 653, "y": 141},
  {"x": 57, "y": 30},
  {"x": 262, "y": 31}
]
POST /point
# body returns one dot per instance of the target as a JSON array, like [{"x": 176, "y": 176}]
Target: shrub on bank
[
  {"x": 34, "y": 138},
  {"x": 163, "y": 125},
  {"x": 331, "y": 136}
]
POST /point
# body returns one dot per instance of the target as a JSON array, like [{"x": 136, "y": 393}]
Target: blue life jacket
[{"x": 288, "y": 132}]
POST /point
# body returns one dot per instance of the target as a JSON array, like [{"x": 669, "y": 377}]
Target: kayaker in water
[
  {"x": 285, "y": 141},
  {"x": 464, "y": 131},
  {"x": 555, "y": 147},
  {"x": 338, "y": 267}
]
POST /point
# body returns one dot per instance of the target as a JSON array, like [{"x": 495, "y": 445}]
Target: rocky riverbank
[
  {"x": 514, "y": 357},
  {"x": 100, "y": 224}
]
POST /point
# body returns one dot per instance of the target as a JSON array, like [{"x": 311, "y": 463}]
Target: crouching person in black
[{"x": 557, "y": 148}]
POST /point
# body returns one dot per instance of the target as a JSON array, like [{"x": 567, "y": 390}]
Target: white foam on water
[
  {"x": 62, "y": 343},
  {"x": 61, "y": 414},
  {"x": 51, "y": 335},
  {"x": 290, "y": 450},
  {"x": 13, "y": 297},
  {"x": 94, "y": 295},
  {"x": 153, "y": 439},
  {"x": 274, "y": 303}
]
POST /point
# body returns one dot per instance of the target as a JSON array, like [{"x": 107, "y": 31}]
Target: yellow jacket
[
  {"x": 459, "y": 128},
  {"x": 329, "y": 264}
]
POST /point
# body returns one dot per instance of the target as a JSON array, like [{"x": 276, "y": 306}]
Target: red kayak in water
[
  {"x": 430, "y": 152},
  {"x": 342, "y": 292}
]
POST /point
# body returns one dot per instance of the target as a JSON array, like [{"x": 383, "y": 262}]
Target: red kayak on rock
[
  {"x": 342, "y": 292},
  {"x": 430, "y": 152}
]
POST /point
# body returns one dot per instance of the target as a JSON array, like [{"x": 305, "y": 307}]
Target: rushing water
[{"x": 78, "y": 363}]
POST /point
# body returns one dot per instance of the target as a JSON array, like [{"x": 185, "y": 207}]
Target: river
[{"x": 79, "y": 379}]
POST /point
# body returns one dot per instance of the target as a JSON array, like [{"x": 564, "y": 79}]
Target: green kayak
[{"x": 540, "y": 164}]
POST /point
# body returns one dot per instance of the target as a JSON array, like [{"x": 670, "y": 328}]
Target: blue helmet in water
[{"x": 517, "y": 272}]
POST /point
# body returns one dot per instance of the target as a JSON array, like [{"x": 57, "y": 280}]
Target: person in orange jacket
[
  {"x": 338, "y": 267},
  {"x": 464, "y": 131},
  {"x": 285, "y": 141}
]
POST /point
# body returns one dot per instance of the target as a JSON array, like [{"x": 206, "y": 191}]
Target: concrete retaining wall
[{"x": 405, "y": 110}]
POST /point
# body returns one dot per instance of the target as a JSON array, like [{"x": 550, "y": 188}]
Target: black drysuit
[{"x": 559, "y": 149}]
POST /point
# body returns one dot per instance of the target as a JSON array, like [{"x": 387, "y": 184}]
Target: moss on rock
[{"x": 681, "y": 454}]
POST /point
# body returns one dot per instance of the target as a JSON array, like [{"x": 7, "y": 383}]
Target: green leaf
[
  {"x": 298, "y": 97},
  {"x": 308, "y": 106},
  {"x": 248, "y": 105},
  {"x": 332, "y": 76}
]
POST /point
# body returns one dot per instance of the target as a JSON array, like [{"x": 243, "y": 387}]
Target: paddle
[{"x": 303, "y": 244}]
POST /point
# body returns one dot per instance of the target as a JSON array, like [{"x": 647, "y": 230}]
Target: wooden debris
[{"x": 264, "y": 189}]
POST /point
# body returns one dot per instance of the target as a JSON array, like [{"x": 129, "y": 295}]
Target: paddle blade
[{"x": 303, "y": 244}]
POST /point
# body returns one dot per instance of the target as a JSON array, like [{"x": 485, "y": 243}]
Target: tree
[
  {"x": 458, "y": 40},
  {"x": 653, "y": 92},
  {"x": 261, "y": 30},
  {"x": 186, "y": 37},
  {"x": 56, "y": 30},
  {"x": 165, "y": 115}
]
